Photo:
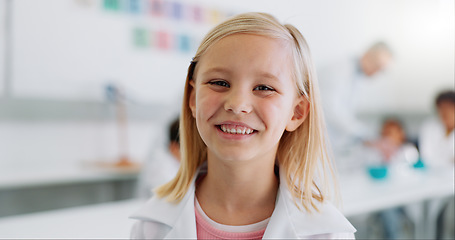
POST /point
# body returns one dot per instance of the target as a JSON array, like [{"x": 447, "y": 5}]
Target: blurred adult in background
[
  {"x": 163, "y": 164},
  {"x": 436, "y": 140},
  {"x": 339, "y": 89}
]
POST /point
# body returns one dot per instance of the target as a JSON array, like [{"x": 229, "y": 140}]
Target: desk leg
[
  {"x": 416, "y": 212},
  {"x": 433, "y": 209}
]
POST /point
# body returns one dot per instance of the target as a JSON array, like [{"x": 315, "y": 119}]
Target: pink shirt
[{"x": 208, "y": 229}]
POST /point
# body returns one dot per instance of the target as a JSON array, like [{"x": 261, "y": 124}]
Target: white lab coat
[
  {"x": 159, "y": 219},
  {"x": 340, "y": 84},
  {"x": 436, "y": 148}
]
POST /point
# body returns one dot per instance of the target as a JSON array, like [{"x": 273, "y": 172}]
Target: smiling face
[{"x": 244, "y": 98}]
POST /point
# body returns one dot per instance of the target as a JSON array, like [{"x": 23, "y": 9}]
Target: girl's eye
[
  {"x": 219, "y": 83},
  {"x": 264, "y": 88}
]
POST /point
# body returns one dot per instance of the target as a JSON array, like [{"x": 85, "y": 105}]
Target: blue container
[
  {"x": 378, "y": 172},
  {"x": 419, "y": 164}
]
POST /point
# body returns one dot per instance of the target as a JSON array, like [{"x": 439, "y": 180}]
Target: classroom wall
[
  {"x": 70, "y": 50},
  {"x": 67, "y": 51},
  {"x": 90, "y": 46},
  {"x": 421, "y": 34},
  {"x": 43, "y": 145}
]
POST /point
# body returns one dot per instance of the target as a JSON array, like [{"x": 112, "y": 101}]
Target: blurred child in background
[
  {"x": 392, "y": 146},
  {"x": 436, "y": 143},
  {"x": 436, "y": 140},
  {"x": 392, "y": 139},
  {"x": 164, "y": 163}
]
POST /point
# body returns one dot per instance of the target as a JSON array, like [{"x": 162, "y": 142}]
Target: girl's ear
[
  {"x": 192, "y": 100},
  {"x": 301, "y": 110}
]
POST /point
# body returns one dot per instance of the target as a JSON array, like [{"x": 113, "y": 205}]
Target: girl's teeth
[{"x": 238, "y": 130}]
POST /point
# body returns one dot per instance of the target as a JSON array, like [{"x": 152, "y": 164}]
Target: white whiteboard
[{"x": 70, "y": 49}]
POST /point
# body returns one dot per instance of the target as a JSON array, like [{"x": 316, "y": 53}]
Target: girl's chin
[{"x": 231, "y": 156}]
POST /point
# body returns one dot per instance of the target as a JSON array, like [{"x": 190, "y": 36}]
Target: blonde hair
[{"x": 303, "y": 154}]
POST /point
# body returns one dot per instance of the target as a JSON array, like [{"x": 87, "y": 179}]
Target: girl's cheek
[{"x": 207, "y": 101}]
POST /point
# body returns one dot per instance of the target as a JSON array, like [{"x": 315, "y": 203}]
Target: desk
[
  {"x": 107, "y": 221},
  {"x": 25, "y": 190},
  {"x": 20, "y": 177},
  {"x": 360, "y": 194},
  {"x": 423, "y": 193}
]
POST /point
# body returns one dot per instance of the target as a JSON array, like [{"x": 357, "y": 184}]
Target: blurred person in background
[
  {"x": 164, "y": 163},
  {"x": 392, "y": 146},
  {"x": 436, "y": 139},
  {"x": 393, "y": 143},
  {"x": 436, "y": 144},
  {"x": 392, "y": 137},
  {"x": 339, "y": 87}
]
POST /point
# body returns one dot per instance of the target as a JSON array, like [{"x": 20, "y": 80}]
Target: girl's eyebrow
[
  {"x": 216, "y": 70},
  {"x": 268, "y": 75},
  {"x": 261, "y": 74}
]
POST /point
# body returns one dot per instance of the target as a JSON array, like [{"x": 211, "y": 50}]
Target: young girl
[{"x": 253, "y": 143}]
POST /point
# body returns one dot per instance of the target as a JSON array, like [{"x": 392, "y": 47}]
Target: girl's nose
[{"x": 238, "y": 102}]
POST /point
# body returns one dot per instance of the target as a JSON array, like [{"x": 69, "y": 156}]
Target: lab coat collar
[
  {"x": 287, "y": 221},
  {"x": 179, "y": 217}
]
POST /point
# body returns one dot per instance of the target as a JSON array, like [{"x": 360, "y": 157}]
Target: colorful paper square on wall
[
  {"x": 164, "y": 40},
  {"x": 156, "y": 8},
  {"x": 184, "y": 43},
  {"x": 111, "y": 4},
  {"x": 140, "y": 37},
  {"x": 197, "y": 14},
  {"x": 176, "y": 10},
  {"x": 134, "y": 6}
]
